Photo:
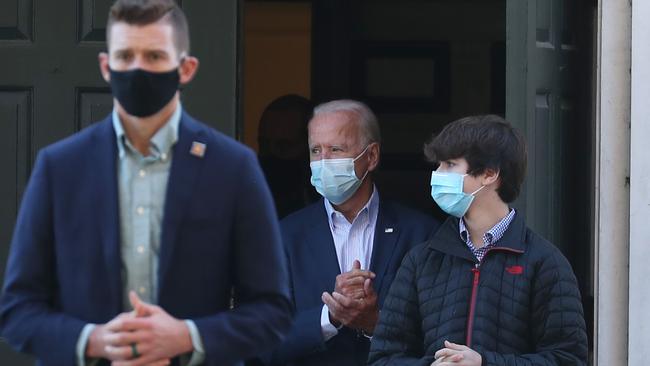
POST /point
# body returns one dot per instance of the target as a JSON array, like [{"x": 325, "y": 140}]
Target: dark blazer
[
  {"x": 64, "y": 268},
  {"x": 313, "y": 267}
]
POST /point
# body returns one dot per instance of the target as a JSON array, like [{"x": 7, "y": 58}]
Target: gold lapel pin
[{"x": 198, "y": 149}]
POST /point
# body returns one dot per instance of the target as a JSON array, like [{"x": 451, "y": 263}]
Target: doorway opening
[{"x": 422, "y": 64}]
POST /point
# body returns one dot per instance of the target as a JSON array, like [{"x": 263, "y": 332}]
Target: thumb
[
  {"x": 356, "y": 264},
  {"x": 454, "y": 346},
  {"x": 368, "y": 288},
  {"x": 140, "y": 308}
]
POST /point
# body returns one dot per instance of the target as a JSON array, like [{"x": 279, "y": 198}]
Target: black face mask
[{"x": 143, "y": 93}]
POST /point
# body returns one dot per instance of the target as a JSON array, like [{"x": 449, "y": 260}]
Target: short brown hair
[
  {"x": 145, "y": 12},
  {"x": 486, "y": 142}
]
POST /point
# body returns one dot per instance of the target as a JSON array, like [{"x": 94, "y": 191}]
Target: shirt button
[
  {"x": 142, "y": 173},
  {"x": 140, "y": 249},
  {"x": 140, "y": 210},
  {"x": 163, "y": 156},
  {"x": 142, "y": 290}
]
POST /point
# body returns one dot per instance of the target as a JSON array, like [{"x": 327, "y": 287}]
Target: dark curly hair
[{"x": 486, "y": 142}]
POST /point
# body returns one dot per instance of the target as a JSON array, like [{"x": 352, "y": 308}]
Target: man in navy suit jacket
[
  {"x": 343, "y": 251},
  {"x": 148, "y": 204}
]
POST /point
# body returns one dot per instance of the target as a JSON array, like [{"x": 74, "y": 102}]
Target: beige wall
[{"x": 277, "y": 57}]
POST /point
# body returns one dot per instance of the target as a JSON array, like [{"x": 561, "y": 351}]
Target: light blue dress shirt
[{"x": 142, "y": 185}]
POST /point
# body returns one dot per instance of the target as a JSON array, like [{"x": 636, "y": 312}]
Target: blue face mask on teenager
[
  {"x": 447, "y": 191},
  {"x": 335, "y": 179}
]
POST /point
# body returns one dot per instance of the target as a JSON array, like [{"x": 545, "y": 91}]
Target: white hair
[{"x": 367, "y": 119}]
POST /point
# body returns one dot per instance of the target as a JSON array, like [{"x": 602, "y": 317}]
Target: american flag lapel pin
[{"x": 198, "y": 149}]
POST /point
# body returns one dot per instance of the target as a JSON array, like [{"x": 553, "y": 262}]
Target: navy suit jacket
[
  {"x": 313, "y": 267},
  {"x": 219, "y": 236}
]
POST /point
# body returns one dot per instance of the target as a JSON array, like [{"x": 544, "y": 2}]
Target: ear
[
  {"x": 188, "y": 68},
  {"x": 103, "y": 66},
  {"x": 373, "y": 156},
  {"x": 490, "y": 176}
]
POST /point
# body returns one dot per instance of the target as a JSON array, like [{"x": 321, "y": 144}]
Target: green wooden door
[
  {"x": 540, "y": 99},
  {"x": 549, "y": 78},
  {"x": 50, "y": 86}
]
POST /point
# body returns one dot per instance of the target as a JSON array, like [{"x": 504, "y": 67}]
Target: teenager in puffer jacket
[{"x": 485, "y": 290}]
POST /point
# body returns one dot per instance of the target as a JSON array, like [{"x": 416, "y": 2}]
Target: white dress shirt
[{"x": 352, "y": 241}]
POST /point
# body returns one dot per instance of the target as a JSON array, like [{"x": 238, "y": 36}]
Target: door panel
[
  {"x": 93, "y": 104},
  {"x": 15, "y": 160},
  {"x": 93, "y": 15},
  {"x": 549, "y": 65},
  {"x": 50, "y": 85},
  {"x": 15, "y": 154},
  {"x": 16, "y": 20},
  {"x": 539, "y": 93}
]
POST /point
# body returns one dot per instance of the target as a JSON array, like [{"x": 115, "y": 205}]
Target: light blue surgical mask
[
  {"x": 447, "y": 191},
  {"x": 335, "y": 179}
]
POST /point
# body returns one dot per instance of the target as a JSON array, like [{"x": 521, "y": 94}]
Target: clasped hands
[
  {"x": 148, "y": 335},
  {"x": 353, "y": 302},
  {"x": 456, "y": 355}
]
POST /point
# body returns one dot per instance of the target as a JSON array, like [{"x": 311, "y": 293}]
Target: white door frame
[
  {"x": 622, "y": 183},
  {"x": 639, "y": 288}
]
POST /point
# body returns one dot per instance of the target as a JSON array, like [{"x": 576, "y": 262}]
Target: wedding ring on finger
[{"x": 134, "y": 351}]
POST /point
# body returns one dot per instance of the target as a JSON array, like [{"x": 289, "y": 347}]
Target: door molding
[
  {"x": 638, "y": 351},
  {"x": 611, "y": 200}
]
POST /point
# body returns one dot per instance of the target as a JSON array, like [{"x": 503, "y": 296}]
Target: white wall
[
  {"x": 639, "y": 324},
  {"x": 611, "y": 197}
]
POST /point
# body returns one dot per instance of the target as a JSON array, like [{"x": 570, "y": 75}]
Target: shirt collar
[
  {"x": 371, "y": 208},
  {"x": 491, "y": 236},
  {"x": 161, "y": 142}
]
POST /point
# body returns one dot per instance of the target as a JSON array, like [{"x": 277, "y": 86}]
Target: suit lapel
[
  {"x": 185, "y": 169},
  {"x": 386, "y": 235},
  {"x": 105, "y": 177},
  {"x": 323, "y": 249}
]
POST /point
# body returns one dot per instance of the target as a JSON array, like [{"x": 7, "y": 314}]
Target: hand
[
  {"x": 447, "y": 360},
  {"x": 350, "y": 284},
  {"x": 158, "y": 336},
  {"x": 457, "y": 355},
  {"x": 139, "y": 311},
  {"x": 165, "y": 362},
  {"x": 96, "y": 347},
  {"x": 360, "y": 313}
]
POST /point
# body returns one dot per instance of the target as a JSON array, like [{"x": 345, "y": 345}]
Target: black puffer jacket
[{"x": 526, "y": 311}]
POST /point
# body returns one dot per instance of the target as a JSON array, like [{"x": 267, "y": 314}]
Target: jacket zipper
[{"x": 472, "y": 305}]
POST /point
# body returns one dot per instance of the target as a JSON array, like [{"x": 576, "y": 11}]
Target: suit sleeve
[
  {"x": 304, "y": 338},
  {"x": 262, "y": 315},
  {"x": 398, "y": 337},
  {"x": 435, "y": 225},
  {"x": 28, "y": 319}
]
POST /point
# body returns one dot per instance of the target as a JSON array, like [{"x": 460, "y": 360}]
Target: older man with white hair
[{"x": 343, "y": 252}]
